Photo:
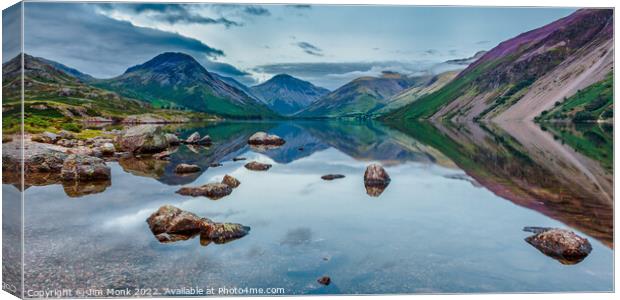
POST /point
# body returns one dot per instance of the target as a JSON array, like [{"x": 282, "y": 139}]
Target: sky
[{"x": 327, "y": 45}]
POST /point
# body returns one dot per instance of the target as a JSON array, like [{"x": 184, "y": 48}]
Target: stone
[
  {"x": 143, "y": 139},
  {"x": 325, "y": 280},
  {"x": 186, "y": 168},
  {"x": 193, "y": 138},
  {"x": 67, "y": 143},
  {"x": 205, "y": 140},
  {"x": 63, "y": 134},
  {"x": 332, "y": 176},
  {"x": 238, "y": 158},
  {"x": 562, "y": 245},
  {"x": 46, "y": 137},
  {"x": 221, "y": 233},
  {"x": 231, "y": 181},
  {"x": 215, "y": 165},
  {"x": 172, "y": 139},
  {"x": 262, "y": 138},
  {"x": 212, "y": 191},
  {"x": 256, "y": 166},
  {"x": 164, "y": 155},
  {"x": 107, "y": 149},
  {"x": 84, "y": 168},
  {"x": 376, "y": 180},
  {"x": 172, "y": 220}
]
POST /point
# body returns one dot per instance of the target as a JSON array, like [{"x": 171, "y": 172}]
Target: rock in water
[
  {"x": 211, "y": 190},
  {"x": 143, "y": 139},
  {"x": 172, "y": 139},
  {"x": 376, "y": 179},
  {"x": 332, "y": 176},
  {"x": 231, "y": 181},
  {"x": 185, "y": 168},
  {"x": 84, "y": 168},
  {"x": 238, "y": 158},
  {"x": 221, "y": 233},
  {"x": 205, "y": 140},
  {"x": 215, "y": 165},
  {"x": 325, "y": 280},
  {"x": 172, "y": 220},
  {"x": 262, "y": 138},
  {"x": 171, "y": 224},
  {"x": 193, "y": 138},
  {"x": 256, "y": 166},
  {"x": 565, "y": 246}
]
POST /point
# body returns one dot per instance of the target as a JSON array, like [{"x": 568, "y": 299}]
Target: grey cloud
[
  {"x": 256, "y": 10},
  {"x": 169, "y": 13},
  {"x": 310, "y": 49},
  {"x": 11, "y": 31},
  {"x": 300, "y": 6},
  {"x": 96, "y": 44}
]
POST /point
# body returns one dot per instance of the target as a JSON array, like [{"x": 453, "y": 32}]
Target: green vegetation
[
  {"x": 594, "y": 103},
  {"x": 592, "y": 140}
]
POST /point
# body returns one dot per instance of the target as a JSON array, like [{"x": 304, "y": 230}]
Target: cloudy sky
[{"x": 328, "y": 45}]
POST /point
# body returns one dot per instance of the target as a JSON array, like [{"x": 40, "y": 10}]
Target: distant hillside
[
  {"x": 526, "y": 75},
  {"x": 178, "y": 80},
  {"x": 71, "y": 71},
  {"x": 236, "y": 84},
  {"x": 286, "y": 94},
  {"x": 55, "y": 98},
  {"x": 361, "y": 97}
]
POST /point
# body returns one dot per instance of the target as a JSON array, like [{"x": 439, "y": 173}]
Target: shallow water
[{"x": 450, "y": 220}]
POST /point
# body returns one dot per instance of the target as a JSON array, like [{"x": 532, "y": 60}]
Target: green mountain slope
[{"x": 178, "y": 80}]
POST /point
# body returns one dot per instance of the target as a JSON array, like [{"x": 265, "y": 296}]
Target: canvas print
[{"x": 204, "y": 149}]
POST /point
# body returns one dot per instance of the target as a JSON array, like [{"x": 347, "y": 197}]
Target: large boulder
[
  {"x": 563, "y": 245},
  {"x": 107, "y": 149},
  {"x": 256, "y": 166},
  {"x": 212, "y": 191},
  {"x": 262, "y": 138},
  {"x": 170, "y": 219},
  {"x": 46, "y": 137},
  {"x": 143, "y": 139},
  {"x": 84, "y": 168},
  {"x": 376, "y": 179},
  {"x": 170, "y": 224},
  {"x": 46, "y": 162}
]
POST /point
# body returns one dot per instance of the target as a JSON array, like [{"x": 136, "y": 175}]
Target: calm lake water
[{"x": 450, "y": 221}]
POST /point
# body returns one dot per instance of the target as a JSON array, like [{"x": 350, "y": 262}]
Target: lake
[{"x": 450, "y": 221}]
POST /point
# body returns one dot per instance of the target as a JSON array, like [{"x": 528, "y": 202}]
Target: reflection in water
[
  {"x": 447, "y": 193},
  {"x": 524, "y": 164}
]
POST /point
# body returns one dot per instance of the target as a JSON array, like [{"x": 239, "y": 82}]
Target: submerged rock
[
  {"x": 565, "y": 246},
  {"x": 205, "y": 140},
  {"x": 332, "y": 176},
  {"x": 215, "y": 165},
  {"x": 238, "y": 158},
  {"x": 325, "y": 280},
  {"x": 143, "y": 139},
  {"x": 186, "y": 168},
  {"x": 164, "y": 154},
  {"x": 84, "y": 168},
  {"x": 211, "y": 190},
  {"x": 256, "y": 166},
  {"x": 262, "y": 138},
  {"x": 231, "y": 181},
  {"x": 376, "y": 180}
]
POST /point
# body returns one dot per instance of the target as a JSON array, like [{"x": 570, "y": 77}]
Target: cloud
[
  {"x": 256, "y": 10},
  {"x": 98, "y": 45},
  {"x": 482, "y": 42},
  {"x": 310, "y": 49},
  {"x": 169, "y": 13},
  {"x": 299, "y": 6},
  {"x": 11, "y": 30}
]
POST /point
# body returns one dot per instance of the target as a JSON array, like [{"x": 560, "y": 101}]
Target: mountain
[
  {"x": 52, "y": 96},
  {"x": 178, "y": 80},
  {"x": 526, "y": 75},
  {"x": 236, "y": 84},
  {"x": 467, "y": 61},
  {"x": 411, "y": 94},
  {"x": 361, "y": 96},
  {"x": 70, "y": 71},
  {"x": 286, "y": 94}
]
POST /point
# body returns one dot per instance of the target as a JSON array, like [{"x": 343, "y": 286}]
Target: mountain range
[
  {"x": 526, "y": 76},
  {"x": 286, "y": 94},
  {"x": 561, "y": 71}
]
